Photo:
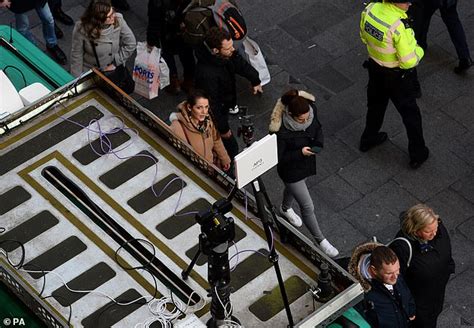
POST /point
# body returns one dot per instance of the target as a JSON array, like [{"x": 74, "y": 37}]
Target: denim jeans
[{"x": 47, "y": 21}]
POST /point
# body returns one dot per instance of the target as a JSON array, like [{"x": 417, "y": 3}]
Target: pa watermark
[{"x": 13, "y": 322}]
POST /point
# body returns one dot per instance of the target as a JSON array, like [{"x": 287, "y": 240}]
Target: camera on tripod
[
  {"x": 246, "y": 129},
  {"x": 216, "y": 228}
]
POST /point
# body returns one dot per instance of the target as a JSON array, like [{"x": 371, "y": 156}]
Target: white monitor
[{"x": 251, "y": 163}]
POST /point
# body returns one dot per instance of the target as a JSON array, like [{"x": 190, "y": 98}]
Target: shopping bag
[
  {"x": 148, "y": 70},
  {"x": 255, "y": 58}
]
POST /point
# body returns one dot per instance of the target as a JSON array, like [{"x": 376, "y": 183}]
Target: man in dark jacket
[
  {"x": 21, "y": 8},
  {"x": 218, "y": 62},
  {"x": 389, "y": 303}
]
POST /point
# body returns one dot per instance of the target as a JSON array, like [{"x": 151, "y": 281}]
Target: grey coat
[{"x": 114, "y": 46}]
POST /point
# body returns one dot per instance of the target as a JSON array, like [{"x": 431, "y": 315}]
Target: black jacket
[
  {"x": 292, "y": 165},
  {"x": 427, "y": 274},
  {"x": 216, "y": 76},
  {"x": 22, "y": 6},
  {"x": 385, "y": 310},
  {"x": 164, "y": 19}
]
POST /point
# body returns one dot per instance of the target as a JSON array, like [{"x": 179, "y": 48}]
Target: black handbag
[{"x": 120, "y": 76}]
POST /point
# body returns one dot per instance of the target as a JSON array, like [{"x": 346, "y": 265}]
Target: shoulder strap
[
  {"x": 410, "y": 251},
  {"x": 95, "y": 53}
]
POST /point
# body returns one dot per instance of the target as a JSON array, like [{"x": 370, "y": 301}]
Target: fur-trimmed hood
[
  {"x": 277, "y": 114},
  {"x": 354, "y": 264}
]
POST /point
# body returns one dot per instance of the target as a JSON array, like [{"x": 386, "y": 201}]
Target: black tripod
[
  {"x": 217, "y": 231},
  {"x": 261, "y": 197}
]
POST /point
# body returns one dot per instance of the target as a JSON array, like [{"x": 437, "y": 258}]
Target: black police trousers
[{"x": 398, "y": 86}]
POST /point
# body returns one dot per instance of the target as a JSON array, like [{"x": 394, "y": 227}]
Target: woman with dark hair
[
  {"x": 194, "y": 125},
  {"x": 104, "y": 32},
  {"x": 300, "y": 137},
  {"x": 431, "y": 264}
]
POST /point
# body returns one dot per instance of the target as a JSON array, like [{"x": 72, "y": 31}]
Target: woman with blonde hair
[
  {"x": 431, "y": 264},
  {"x": 101, "y": 38}
]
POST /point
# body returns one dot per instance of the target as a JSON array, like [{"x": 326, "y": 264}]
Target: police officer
[{"x": 393, "y": 56}]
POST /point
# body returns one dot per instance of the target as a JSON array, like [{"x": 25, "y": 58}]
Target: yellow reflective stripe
[
  {"x": 391, "y": 64},
  {"x": 390, "y": 50}
]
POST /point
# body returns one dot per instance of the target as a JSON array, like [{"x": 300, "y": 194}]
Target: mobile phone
[{"x": 316, "y": 149}]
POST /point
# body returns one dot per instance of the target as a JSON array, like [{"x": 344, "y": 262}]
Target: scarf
[{"x": 292, "y": 125}]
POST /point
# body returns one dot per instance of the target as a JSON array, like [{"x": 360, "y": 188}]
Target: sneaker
[
  {"x": 328, "y": 249},
  {"x": 60, "y": 16},
  {"x": 57, "y": 54},
  {"x": 234, "y": 110},
  {"x": 369, "y": 143},
  {"x": 291, "y": 216},
  {"x": 464, "y": 65}
]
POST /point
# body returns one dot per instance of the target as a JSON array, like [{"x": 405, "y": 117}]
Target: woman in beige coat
[
  {"x": 194, "y": 125},
  {"x": 101, "y": 27}
]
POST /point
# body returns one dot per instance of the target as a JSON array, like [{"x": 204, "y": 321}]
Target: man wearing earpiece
[{"x": 217, "y": 64}]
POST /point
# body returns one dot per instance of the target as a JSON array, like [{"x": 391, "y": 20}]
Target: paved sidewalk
[{"x": 314, "y": 45}]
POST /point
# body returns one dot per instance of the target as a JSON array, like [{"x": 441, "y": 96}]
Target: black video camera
[{"x": 216, "y": 228}]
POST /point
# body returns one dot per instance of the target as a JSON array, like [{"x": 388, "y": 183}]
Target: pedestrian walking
[
  {"x": 21, "y": 8},
  {"x": 431, "y": 262},
  {"x": 299, "y": 137},
  {"x": 393, "y": 56},
  {"x": 193, "y": 124},
  {"x": 388, "y": 301},
  {"x": 217, "y": 65},
  {"x": 450, "y": 17},
  {"x": 59, "y": 16},
  {"x": 101, "y": 38},
  {"x": 164, "y": 31}
]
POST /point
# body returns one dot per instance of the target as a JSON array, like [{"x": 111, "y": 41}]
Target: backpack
[{"x": 201, "y": 15}]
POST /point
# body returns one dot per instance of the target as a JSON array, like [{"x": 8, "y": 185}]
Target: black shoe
[
  {"x": 416, "y": 163},
  {"x": 57, "y": 54},
  {"x": 367, "y": 144},
  {"x": 121, "y": 5},
  {"x": 463, "y": 66},
  {"x": 60, "y": 16},
  {"x": 59, "y": 33}
]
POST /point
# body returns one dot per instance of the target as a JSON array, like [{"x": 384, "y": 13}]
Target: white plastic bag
[
  {"x": 256, "y": 59},
  {"x": 150, "y": 71}
]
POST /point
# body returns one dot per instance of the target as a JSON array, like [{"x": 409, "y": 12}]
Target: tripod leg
[
  {"x": 273, "y": 257},
  {"x": 282, "y": 231},
  {"x": 185, "y": 273}
]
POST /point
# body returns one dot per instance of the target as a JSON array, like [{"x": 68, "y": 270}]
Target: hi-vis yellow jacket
[{"x": 388, "y": 41}]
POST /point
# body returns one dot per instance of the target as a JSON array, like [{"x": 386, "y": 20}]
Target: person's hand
[
  {"x": 412, "y": 318},
  {"x": 5, "y": 4},
  {"x": 109, "y": 68},
  {"x": 227, "y": 135},
  {"x": 306, "y": 151},
  {"x": 226, "y": 167},
  {"x": 257, "y": 89}
]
